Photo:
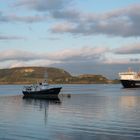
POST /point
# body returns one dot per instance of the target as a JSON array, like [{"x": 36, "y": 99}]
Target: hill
[{"x": 27, "y": 75}]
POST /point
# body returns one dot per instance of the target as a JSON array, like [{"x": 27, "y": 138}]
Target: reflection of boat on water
[
  {"x": 42, "y": 104},
  {"x": 41, "y": 101},
  {"x": 41, "y": 90},
  {"x": 130, "y": 79}
]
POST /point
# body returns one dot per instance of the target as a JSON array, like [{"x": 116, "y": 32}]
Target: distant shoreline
[
  {"x": 30, "y": 75},
  {"x": 20, "y": 83}
]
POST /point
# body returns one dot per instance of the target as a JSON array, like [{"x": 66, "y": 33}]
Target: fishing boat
[
  {"x": 41, "y": 90},
  {"x": 130, "y": 79}
]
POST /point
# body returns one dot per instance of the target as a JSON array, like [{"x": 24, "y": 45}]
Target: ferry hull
[{"x": 130, "y": 83}]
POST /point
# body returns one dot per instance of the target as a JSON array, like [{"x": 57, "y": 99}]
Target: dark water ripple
[{"x": 92, "y": 112}]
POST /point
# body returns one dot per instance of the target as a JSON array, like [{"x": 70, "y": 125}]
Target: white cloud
[
  {"x": 17, "y": 55},
  {"x": 128, "y": 49},
  {"x": 83, "y": 54},
  {"x": 63, "y": 27},
  {"x": 117, "y": 61},
  {"x": 122, "y": 22}
]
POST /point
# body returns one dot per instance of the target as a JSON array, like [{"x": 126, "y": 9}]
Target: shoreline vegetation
[{"x": 29, "y": 75}]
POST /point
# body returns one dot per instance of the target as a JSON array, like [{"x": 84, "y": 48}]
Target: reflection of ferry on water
[{"x": 130, "y": 79}]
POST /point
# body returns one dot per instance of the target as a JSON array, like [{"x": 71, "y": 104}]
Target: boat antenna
[
  {"x": 129, "y": 69},
  {"x": 46, "y": 75}
]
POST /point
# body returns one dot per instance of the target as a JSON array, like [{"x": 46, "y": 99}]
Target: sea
[{"x": 82, "y": 112}]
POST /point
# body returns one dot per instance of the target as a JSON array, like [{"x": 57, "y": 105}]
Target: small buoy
[{"x": 68, "y": 95}]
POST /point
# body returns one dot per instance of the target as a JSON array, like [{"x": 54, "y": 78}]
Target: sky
[{"x": 80, "y": 36}]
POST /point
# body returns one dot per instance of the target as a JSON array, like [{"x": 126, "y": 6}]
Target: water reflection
[
  {"x": 129, "y": 101},
  {"x": 42, "y": 104}
]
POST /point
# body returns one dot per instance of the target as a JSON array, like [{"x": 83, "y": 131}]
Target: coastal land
[{"x": 29, "y": 75}]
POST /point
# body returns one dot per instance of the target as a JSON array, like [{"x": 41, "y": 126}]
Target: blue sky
[{"x": 92, "y": 36}]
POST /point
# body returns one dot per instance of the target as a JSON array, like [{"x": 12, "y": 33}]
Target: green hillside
[
  {"x": 31, "y": 74},
  {"x": 28, "y": 75}
]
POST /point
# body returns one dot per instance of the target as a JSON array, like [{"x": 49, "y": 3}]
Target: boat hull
[
  {"x": 130, "y": 83},
  {"x": 51, "y": 93}
]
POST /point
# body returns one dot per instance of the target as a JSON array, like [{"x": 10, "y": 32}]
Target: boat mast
[{"x": 46, "y": 76}]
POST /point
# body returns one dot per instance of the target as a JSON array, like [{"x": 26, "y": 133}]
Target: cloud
[
  {"x": 122, "y": 22},
  {"x": 64, "y": 27},
  {"x": 3, "y": 18},
  {"x": 18, "y": 63},
  {"x": 128, "y": 49},
  {"x": 96, "y": 55},
  {"x": 135, "y": 59},
  {"x": 17, "y": 55},
  {"x": 69, "y": 55},
  {"x": 117, "y": 61},
  {"x": 11, "y": 37},
  {"x": 27, "y": 19},
  {"x": 50, "y": 38},
  {"x": 42, "y": 5},
  {"x": 83, "y": 54},
  {"x": 18, "y": 18},
  {"x": 67, "y": 14}
]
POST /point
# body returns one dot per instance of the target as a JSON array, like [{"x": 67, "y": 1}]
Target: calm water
[{"x": 93, "y": 112}]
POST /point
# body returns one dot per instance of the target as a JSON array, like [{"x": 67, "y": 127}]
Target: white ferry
[{"x": 130, "y": 79}]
